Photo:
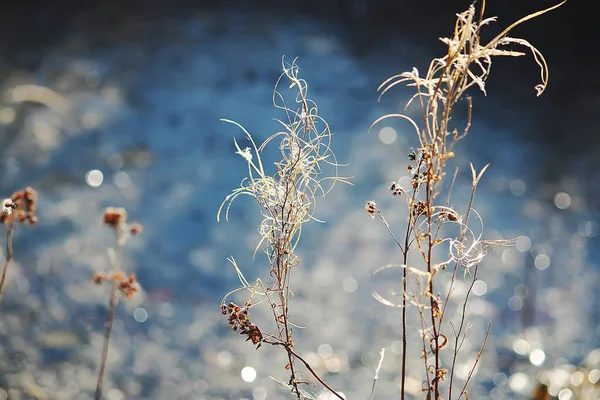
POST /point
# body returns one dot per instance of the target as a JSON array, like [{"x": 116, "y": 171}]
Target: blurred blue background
[{"x": 118, "y": 104}]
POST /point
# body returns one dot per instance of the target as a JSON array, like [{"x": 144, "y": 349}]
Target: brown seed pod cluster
[
  {"x": 20, "y": 207},
  {"x": 396, "y": 189},
  {"x": 239, "y": 320},
  {"x": 116, "y": 218},
  {"x": 451, "y": 215},
  {"x": 127, "y": 285},
  {"x": 371, "y": 208},
  {"x": 420, "y": 208}
]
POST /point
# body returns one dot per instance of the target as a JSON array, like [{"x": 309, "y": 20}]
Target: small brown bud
[
  {"x": 98, "y": 278},
  {"x": 371, "y": 208},
  {"x": 114, "y": 216},
  {"x": 136, "y": 229}
]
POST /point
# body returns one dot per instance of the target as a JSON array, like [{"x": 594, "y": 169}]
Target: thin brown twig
[
  {"x": 479, "y": 354},
  {"x": 409, "y": 227},
  {"x": 9, "y": 256},
  {"x": 430, "y": 286},
  {"x": 460, "y": 328},
  {"x": 312, "y": 371},
  {"x": 112, "y": 307}
]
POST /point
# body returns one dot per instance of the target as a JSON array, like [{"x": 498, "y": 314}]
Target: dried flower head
[
  {"x": 20, "y": 207},
  {"x": 451, "y": 215},
  {"x": 420, "y": 208},
  {"x": 136, "y": 228},
  {"x": 127, "y": 285},
  {"x": 114, "y": 216},
  {"x": 98, "y": 278},
  {"x": 371, "y": 208},
  {"x": 396, "y": 189},
  {"x": 239, "y": 320}
]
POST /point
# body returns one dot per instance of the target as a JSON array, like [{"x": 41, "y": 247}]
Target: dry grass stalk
[
  {"x": 287, "y": 200},
  {"x": 20, "y": 208},
  {"x": 467, "y": 64},
  {"x": 127, "y": 286}
]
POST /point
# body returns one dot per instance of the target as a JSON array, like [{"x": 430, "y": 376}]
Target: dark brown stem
[
  {"x": 290, "y": 359},
  {"x": 436, "y": 386},
  {"x": 112, "y": 306},
  {"x": 9, "y": 256},
  {"x": 308, "y": 367},
  {"x": 404, "y": 295}
]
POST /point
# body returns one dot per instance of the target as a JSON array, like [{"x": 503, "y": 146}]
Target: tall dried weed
[
  {"x": 467, "y": 64},
  {"x": 20, "y": 208},
  {"x": 287, "y": 199},
  {"x": 120, "y": 283}
]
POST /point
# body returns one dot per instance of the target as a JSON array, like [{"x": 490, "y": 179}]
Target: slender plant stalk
[
  {"x": 466, "y": 64},
  {"x": 404, "y": 295},
  {"x": 377, "y": 369},
  {"x": 312, "y": 371},
  {"x": 472, "y": 371},
  {"x": 287, "y": 199},
  {"x": 112, "y": 307},
  {"x": 9, "y": 255}
]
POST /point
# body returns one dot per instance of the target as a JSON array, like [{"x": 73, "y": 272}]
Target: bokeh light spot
[
  {"x": 542, "y": 262},
  {"x": 517, "y": 187},
  {"x": 577, "y": 378},
  {"x": 349, "y": 285},
  {"x": 523, "y": 243},
  {"x": 248, "y": 374},
  {"x": 333, "y": 364},
  {"x": 115, "y": 394},
  {"x": 594, "y": 376},
  {"x": 140, "y": 315},
  {"x": 479, "y": 288},
  {"x": 500, "y": 379},
  {"x": 325, "y": 350},
  {"x": 387, "y": 135},
  {"x": 565, "y": 394},
  {"x": 588, "y": 228},
  {"x": 259, "y": 394},
  {"x": 562, "y": 200},
  {"x": 224, "y": 358},
  {"x": 515, "y": 303},
  {"x": 537, "y": 357},
  {"x": 521, "y": 346},
  {"x": 94, "y": 178},
  {"x": 518, "y": 382}
]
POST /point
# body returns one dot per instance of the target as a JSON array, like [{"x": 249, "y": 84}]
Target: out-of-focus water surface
[{"x": 130, "y": 117}]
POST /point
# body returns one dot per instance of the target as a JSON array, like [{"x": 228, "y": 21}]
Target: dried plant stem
[
  {"x": 312, "y": 371},
  {"x": 289, "y": 343},
  {"x": 430, "y": 188},
  {"x": 404, "y": 294},
  {"x": 460, "y": 329},
  {"x": 9, "y": 255},
  {"x": 377, "y": 369},
  {"x": 472, "y": 371},
  {"x": 466, "y": 64},
  {"x": 112, "y": 307}
]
